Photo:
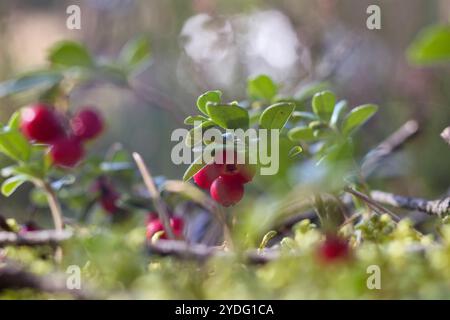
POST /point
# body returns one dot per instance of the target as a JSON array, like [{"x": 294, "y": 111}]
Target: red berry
[
  {"x": 205, "y": 177},
  {"x": 109, "y": 202},
  {"x": 334, "y": 248},
  {"x": 87, "y": 124},
  {"x": 227, "y": 190},
  {"x": 28, "y": 227},
  {"x": 40, "y": 123},
  {"x": 67, "y": 151},
  {"x": 241, "y": 172},
  {"x": 155, "y": 225},
  {"x": 177, "y": 225}
]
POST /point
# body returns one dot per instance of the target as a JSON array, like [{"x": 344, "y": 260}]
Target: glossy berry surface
[
  {"x": 155, "y": 225},
  {"x": 227, "y": 190},
  {"x": 86, "y": 124},
  {"x": 205, "y": 177},
  {"x": 41, "y": 124},
  {"x": 67, "y": 151},
  {"x": 241, "y": 172},
  {"x": 334, "y": 248}
]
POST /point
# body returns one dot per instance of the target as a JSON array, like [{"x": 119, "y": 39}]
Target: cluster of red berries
[
  {"x": 41, "y": 123},
  {"x": 334, "y": 248},
  {"x": 225, "y": 182},
  {"x": 155, "y": 225}
]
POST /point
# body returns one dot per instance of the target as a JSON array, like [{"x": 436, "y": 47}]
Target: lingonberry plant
[{"x": 280, "y": 235}]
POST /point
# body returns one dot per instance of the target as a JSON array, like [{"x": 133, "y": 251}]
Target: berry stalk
[{"x": 154, "y": 194}]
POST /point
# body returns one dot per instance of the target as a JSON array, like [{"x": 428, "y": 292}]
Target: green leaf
[
  {"x": 323, "y": 104},
  {"x": 15, "y": 145},
  {"x": 261, "y": 88},
  {"x": 229, "y": 116},
  {"x": 432, "y": 45},
  {"x": 301, "y": 133},
  {"x": 10, "y": 185},
  {"x": 192, "y": 119},
  {"x": 195, "y": 167},
  {"x": 14, "y": 121},
  {"x": 276, "y": 116},
  {"x": 135, "y": 52},
  {"x": 300, "y": 115},
  {"x": 309, "y": 90},
  {"x": 295, "y": 151},
  {"x": 209, "y": 96},
  {"x": 70, "y": 54},
  {"x": 32, "y": 81},
  {"x": 338, "y": 112},
  {"x": 197, "y": 131},
  {"x": 357, "y": 117}
]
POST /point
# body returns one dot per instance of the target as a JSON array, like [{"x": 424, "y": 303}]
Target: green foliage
[
  {"x": 261, "y": 88},
  {"x": 357, "y": 117},
  {"x": 39, "y": 80},
  {"x": 229, "y": 116},
  {"x": 276, "y": 116},
  {"x": 70, "y": 54},
  {"x": 431, "y": 46},
  {"x": 204, "y": 99},
  {"x": 323, "y": 104},
  {"x": 135, "y": 53}
]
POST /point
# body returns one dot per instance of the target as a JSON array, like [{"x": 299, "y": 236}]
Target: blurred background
[{"x": 200, "y": 45}]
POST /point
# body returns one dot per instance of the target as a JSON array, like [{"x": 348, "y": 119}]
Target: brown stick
[
  {"x": 15, "y": 277},
  {"x": 34, "y": 238},
  {"x": 154, "y": 194},
  {"x": 440, "y": 207},
  {"x": 200, "y": 252},
  {"x": 371, "y": 202},
  {"x": 394, "y": 142}
]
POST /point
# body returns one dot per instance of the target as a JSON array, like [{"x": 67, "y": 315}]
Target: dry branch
[
  {"x": 440, "y": 207},
  {"x": 15, "y": 277},
  {"x": 34, "y": 238},
  {"x": 394, "y": 142},
  {"x": 200, "y": 252}
]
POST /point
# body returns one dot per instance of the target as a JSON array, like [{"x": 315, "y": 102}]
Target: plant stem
[
  {"x": 55, "y": 208},
  {"x": 223, "y": 219},
  {"x": 154, "y": 194}
]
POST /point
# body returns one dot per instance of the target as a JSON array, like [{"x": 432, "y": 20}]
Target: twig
[
  {"x": 34, "y": 238},
  {"x": 394, "y": 142},
  {"x": 370, "y": 201},
  {"x": 15, "y": 277},
  {"x": 54, "y": 206},
  {"x": 446, "y": 135},
  {"x": 200, "y": 252},
  {"x": 154, "y": 194},
  {"x": 440, "y": 207}
]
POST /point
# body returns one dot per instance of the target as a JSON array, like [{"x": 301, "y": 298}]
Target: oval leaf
[
  {"x": 15, "y": 145},
  {"x": 210, "y": 96},
  {"x": 301, "y": 133},
  {"x": 70, "y": 54},
  {"x": 431, "y": 46},
  {"x": 135, "y": 52},
  {"x": 323, "y": 104},
  {"x": 276, "y": 116},
  {"x": 357, "y": 117},
  {"x": 10, "y": 185},
  {"x": 229, "y": 116},
  {"x": 261, "y": 88},
  {"x": 32, "y": 81}
]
